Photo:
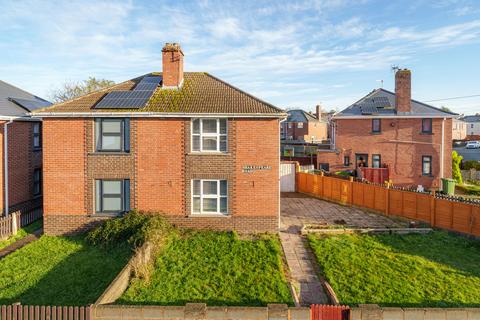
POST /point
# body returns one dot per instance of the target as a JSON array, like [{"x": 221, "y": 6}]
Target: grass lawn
[
  {"x": 217, "y": 268},
  {"x": 434, "y": 270},
  {"x": 59, "y": 271},
  {"x": 22, "y": 233}
]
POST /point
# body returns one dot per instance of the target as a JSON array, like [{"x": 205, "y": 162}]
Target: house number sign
[{"x": 249, "y": 169}]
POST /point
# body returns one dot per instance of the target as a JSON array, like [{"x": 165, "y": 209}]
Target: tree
[
  {"x": 72, "y": 89},
  {"x": 456, "y": 173},
  {"x": 447, "y": 109}
]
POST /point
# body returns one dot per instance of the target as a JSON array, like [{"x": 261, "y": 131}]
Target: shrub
[
  {"x": 471, "y": 164},
  {"x": 471, "y": 190},
  {"x": 456, "y": 173}
]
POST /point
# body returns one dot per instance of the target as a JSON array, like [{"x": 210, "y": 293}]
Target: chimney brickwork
[
  {"x": 403, "y": 90},
  {"x": 172, "y": 64}
]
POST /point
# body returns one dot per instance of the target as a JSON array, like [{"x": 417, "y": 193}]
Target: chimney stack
[
  {"x": 172, "y": 64},
  {"x": 318, "y": 112},
  {"x": 403, "y": 90}
]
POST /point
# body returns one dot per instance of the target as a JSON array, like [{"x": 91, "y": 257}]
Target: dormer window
[{"x": 209, "y": 135}]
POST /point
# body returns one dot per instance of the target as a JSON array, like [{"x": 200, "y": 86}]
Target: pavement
[
  {"x": 299, "y": 209},
  {"x": 21, "y": 243},
  {"x": 468, "y": 154}
]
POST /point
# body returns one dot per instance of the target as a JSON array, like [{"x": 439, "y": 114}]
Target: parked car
[{"x": 473, "y": 145}]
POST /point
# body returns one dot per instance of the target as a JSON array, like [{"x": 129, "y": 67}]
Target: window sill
[
  {"x": 203, "y": 153},
  {"x": 427, "y": 175},
  {"x": 36, "y": 149},
  {"x": 208, "y": 215},
  {"x": 376, "y": 132},
  {"x": 426, "y": 133},
  {"x": 104, "y": 214},
  {"x": 109, "y": 153}
]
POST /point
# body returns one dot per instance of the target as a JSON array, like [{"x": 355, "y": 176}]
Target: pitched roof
[
  {"x": 16, "y": 102},
  {"x": 299, "y": 115},
  {"x": 381, "y": 102},
  {"x": 201, "y": 93},
  {"x": 475, "y": 118}
]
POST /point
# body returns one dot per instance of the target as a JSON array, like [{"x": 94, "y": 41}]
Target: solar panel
[
  {"x": 153, "y": 79},
  {"x": 368, "y": 109},
  {"x": 146, "y": 86}
]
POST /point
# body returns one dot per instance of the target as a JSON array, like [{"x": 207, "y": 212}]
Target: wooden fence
[
  {"x": 327, "y": 312},
  {"x": 442, "y": 213},
  {"x": 20, "y": 312},
  {"x": 23, "y": 219}
]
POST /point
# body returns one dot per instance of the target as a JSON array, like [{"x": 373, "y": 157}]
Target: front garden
[{"x": 433, "y": 270}]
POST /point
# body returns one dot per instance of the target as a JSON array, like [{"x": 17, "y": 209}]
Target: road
[{"x": 468, "y": 154}]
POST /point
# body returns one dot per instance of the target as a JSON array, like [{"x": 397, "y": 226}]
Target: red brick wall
[
  {"x": 64, "y": 167},
  {"x": 317, "y": 129},
  {"x": 395, "y": 146},
  {"x": 22, "y": 162},
  {"x": 160, "y": 167}
]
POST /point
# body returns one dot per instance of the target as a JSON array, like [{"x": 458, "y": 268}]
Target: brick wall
[
  {"x": 160, "y": 167},
  {"x": 23, "y": 160},
  {"x": 400, "y": 144}
]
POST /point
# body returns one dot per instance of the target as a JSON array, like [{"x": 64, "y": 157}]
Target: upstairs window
[
  {"x": 112, "y": 135},
  {"x": 427, "y": 165},
  {"x": 112, "y": 196},
  {"x": 300, "y": 125},
  {"x": 37, "y": 135},
  {"x": 209, "y": 135},
  {"x": 209, "y": 197},
  {"x": 376, "y": 161},
  {"x": 37, "y": 182},
  {"x": 426, "y": 125},
  {"x": 290, "y": 125},
  {"x": 346, "y": 161},
  {"x": 376, "y": 126}
]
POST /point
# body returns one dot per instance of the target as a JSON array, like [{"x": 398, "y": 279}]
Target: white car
[{"x": 473, "y": 145}]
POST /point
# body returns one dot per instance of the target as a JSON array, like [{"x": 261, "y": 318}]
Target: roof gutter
[
  {"x": 5, "y": 163},
  {"x": 153, "y": 115},
  {"x": 393, "y": 117}
]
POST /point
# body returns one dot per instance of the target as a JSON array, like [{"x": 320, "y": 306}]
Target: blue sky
[{"x": 290, "y": 53}]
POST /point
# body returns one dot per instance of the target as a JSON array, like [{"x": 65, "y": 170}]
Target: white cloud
[{"x": 225, "y": 27}]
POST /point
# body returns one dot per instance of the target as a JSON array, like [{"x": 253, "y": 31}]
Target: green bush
[
  {"x": 471, "y": 190},
  {"x": 456, "y": 173},
  {"x": 471, "y": 164},
  {"x": 135, "y": 228}
]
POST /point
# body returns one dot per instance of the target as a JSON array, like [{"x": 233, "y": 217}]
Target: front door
[{"x": 361, "y": 158}]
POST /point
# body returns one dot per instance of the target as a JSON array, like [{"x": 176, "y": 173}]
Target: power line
[{"x": 453, "y": 98}]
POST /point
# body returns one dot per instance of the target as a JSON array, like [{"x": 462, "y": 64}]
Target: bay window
[{"x": 209, "y": 135}]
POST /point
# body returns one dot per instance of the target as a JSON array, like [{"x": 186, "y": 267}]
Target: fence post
[
  {"x": 432, "y": 209},
  {"x": 387, "y": 199},
  {"x": 14, "y": 223},
  {"x": 351, "y": 191}
]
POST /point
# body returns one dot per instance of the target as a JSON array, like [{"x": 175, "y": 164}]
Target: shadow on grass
[{"x": 79, "y": 278}]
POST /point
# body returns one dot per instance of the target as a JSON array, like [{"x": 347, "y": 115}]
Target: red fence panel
[{"x": 327, "y": 312}]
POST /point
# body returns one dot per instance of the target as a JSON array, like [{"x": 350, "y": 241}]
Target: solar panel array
[
  {"x": 136, "y": 98},
  {"x": 371, "y": 106}
]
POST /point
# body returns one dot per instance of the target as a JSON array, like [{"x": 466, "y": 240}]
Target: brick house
[
  {"x": 304, "y": 126},
  {"x": 386, "y": 129},
  {"x": 20, "y": 150},
  {"x": 194, "y": 148}
]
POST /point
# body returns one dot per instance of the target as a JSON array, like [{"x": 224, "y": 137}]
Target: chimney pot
[
  {"x": 172, "y": 66},
  {"x": 403, "y": 90}
]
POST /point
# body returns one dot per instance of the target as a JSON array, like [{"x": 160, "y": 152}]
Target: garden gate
[{"x": 327, "y": 312}]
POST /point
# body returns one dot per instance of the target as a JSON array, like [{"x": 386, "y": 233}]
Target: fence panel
[
  {"x": 424, "y": 207},
  {"x": 357, "y": 194},
  {"x": 336, "y": 190},
  {"x": 409, "y": 205},
  {"x": 345, "y": 192},
  {"x": 309, "y": 182},
  {"x": 21, "y": 312},
  {"x": 395, "y": 202},
  {"x": 462, "y": 214},
  {"x": 302, "y": 182},
  {"x": 443, "y": 213},
  {"x": 380, "y": 199},
  {"x": 369, "y": 196},
  {"x": 476, "y": 221},
  {"x": 5, "y": 227},
  {"x": 327, "y": 187},
  {"x": 327, "y": 312}
]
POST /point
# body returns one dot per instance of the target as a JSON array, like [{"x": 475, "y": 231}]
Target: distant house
[
  {"x": 473, "y": 124},
  {"x": 302, "y": 126},
  {"x": 459, "y": 129},
  {"x": 21, "y": 150},
  {"x": 386, "y": 129},
  {"x": 187, "y": 145}
]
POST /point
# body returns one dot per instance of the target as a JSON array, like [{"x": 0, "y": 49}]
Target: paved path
[
  {"x": 297, "y": 210},
  {"x": 21, "y": 243}
]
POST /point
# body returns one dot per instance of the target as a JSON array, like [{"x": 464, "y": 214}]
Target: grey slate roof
[
  {"x": 17, "y": 102},
  {"x": 475, "y": 118},
  {"x": 299, "y": 115},
  {"x": 381, "y": 102}
]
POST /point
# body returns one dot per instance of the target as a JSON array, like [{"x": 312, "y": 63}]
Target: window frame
[
  {"x": 431, "y": 126},
  {"x": 299, "y": 125},
  {"x": 35, "y": 182},
  {"x": 379, "y": 130},
  {"x": 124, "y": 140},
  {"x": 430, "y": 160},
  {"x": 201, "y": 135},
  {"x": 100, "y": 195},
  {"x": 346, "y": 161},
  {"x": 37, "y": 134},
  {"x": 379, "y": 160},
  {"x": 201, "y": 196}
]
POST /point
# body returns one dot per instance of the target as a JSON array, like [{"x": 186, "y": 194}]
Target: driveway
[
  {"x": 298, "y": 209},
  {"x": 468, "y": 154}
]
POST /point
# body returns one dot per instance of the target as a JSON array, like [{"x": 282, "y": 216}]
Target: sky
[{"x": 293, "y": 54}]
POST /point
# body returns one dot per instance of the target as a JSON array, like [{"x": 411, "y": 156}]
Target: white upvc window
[
  {"x": 209, "y": 135},
  {"x": 209, "y": 196},
  {"x": 300, "y": 125}
]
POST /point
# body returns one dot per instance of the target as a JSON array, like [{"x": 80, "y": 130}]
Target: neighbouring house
[
  {"x": 459, "y": 129},
  {"x": 184, "y": 144},
  {"x": 390, "y": 130},
  {"x": 473, "y": 125},
  {"x": 20, "y": 150},
  {"x": 303, "y": 126}
]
